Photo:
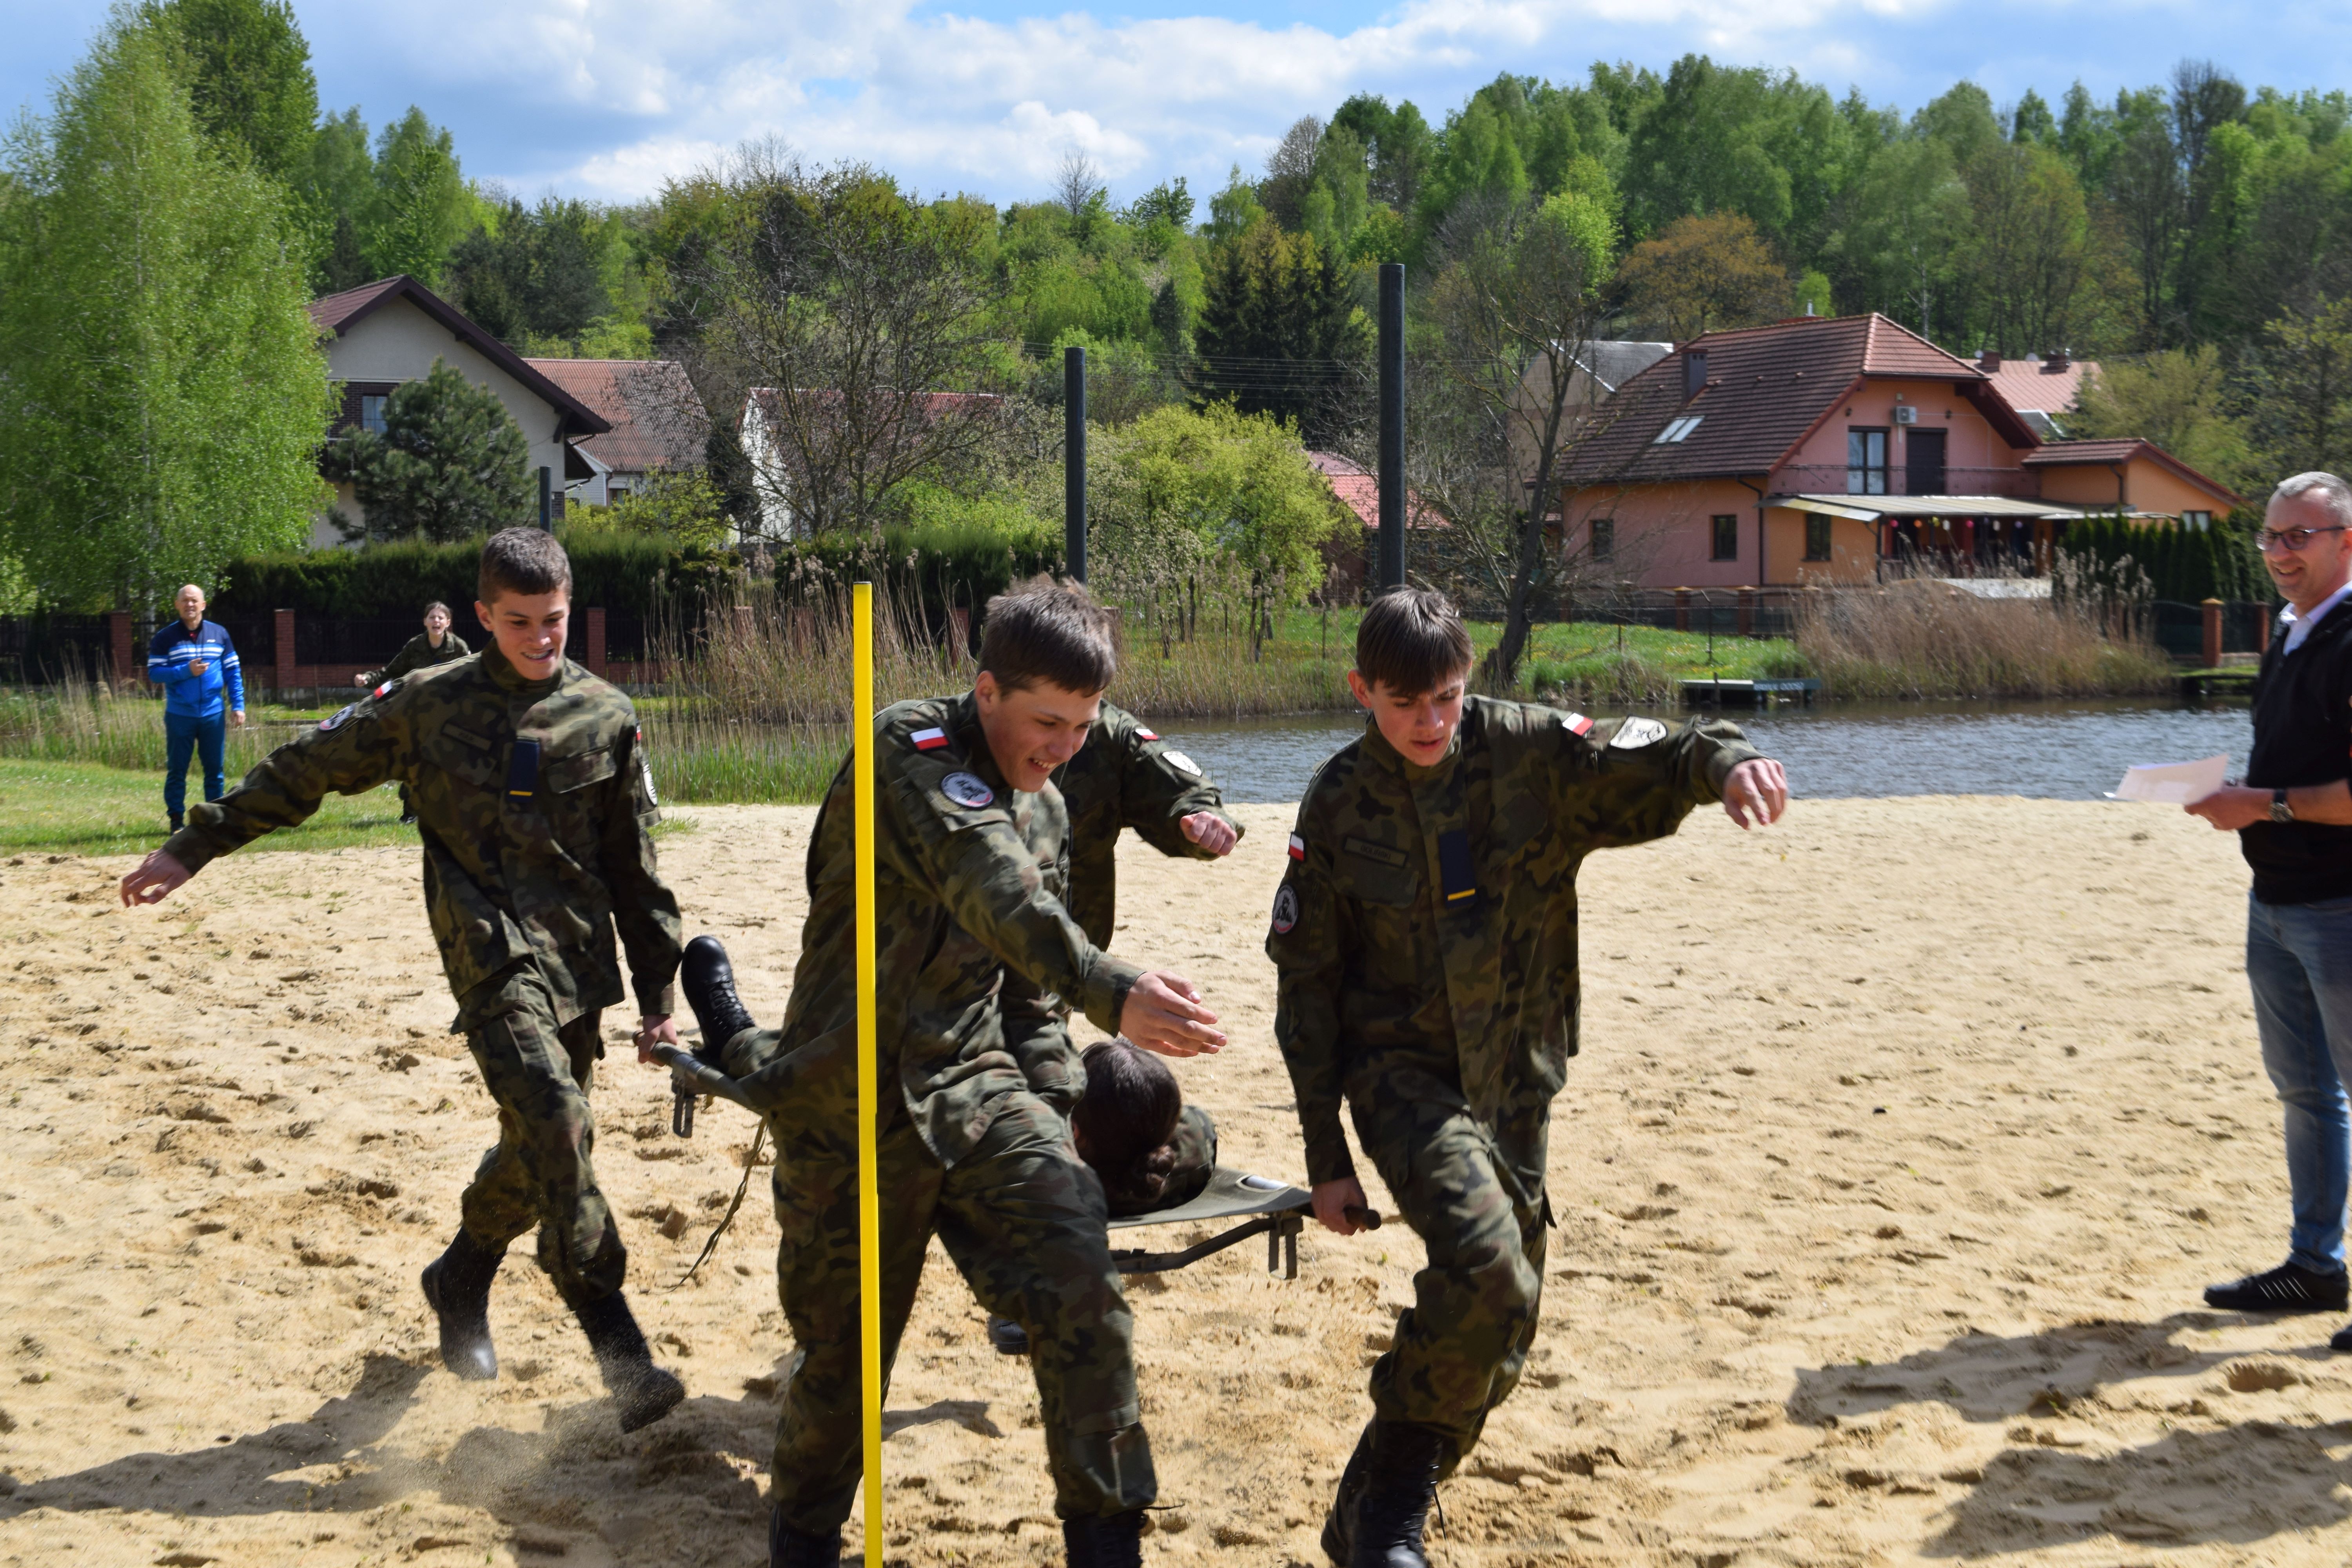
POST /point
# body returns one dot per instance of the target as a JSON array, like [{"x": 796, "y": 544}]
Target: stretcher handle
[{"x": 1369, "y": 1218}]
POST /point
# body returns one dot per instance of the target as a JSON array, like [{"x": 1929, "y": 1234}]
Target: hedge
[
  {"x": 2185, "y": 566},
  {"x": 939, "y": 568},
  {"x": 629, "y": 576}
]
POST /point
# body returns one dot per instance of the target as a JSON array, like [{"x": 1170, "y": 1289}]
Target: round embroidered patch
[
  {"x": 337, "y": 716},
  {"x": 1635, "y": 734},
  {"x": 1285, "y": 910},
  {"x": 648, "y": 770},
  {"x": 967, "y": 790},
  {"x": 1183, "y": 763}
]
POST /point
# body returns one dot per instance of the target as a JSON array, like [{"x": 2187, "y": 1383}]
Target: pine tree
[{"x": 450, "y": 464}]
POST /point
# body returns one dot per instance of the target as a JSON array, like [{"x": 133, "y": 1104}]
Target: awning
[{"x": 1872, "y": 509}]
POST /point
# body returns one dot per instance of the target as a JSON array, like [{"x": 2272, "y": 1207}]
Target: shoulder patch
[
  {"x": 931, "y": 739},
  {"x": 1297, "y": 848},
  {"x": 1285, "y": 910},
  {"x": 385, "y": 689},
  {"x": 1143, "y": 734},
  {"x": 1181, "y": 764},
  {"x": 967, "y": 790},
  {"x": 1576, "y": 724},
  {"x": 335, "y": 720},
  {"x": 1635, "y": 734}
]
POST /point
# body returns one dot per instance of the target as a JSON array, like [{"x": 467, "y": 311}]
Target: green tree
[
  {"x": 339, "y": 189},
  {"x": 2027, "y": 251},
  {"x": 249, "y": 72},
  {"x": 420, "y": 207},
  {"x": 450, "y": 463},
  {"x": 162, "y": 398},
  {"x": 2177, "y": 398},
  {"x": 533, "y": 272},
  {"x": 1277, "y": 327},
  {"x": 1703, "y": 274},
  {"x": 2301, "y": 390}
]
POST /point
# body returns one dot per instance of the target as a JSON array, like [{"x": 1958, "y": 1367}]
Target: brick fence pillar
[
  {"x": 121, "y": 669},
  {"x": 1748, "y": 612},
  {"x": 2262, "y": 618},
  {"x": 282, "y": 633},
  {"x": 594, "y": 652},
  {"x": 2212, "y": 617},
  {"x": 1682, "y": 609}
]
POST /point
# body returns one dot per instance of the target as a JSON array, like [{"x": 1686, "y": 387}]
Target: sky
[{"x": 605, "y": 99}]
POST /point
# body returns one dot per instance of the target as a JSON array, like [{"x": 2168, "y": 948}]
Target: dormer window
[{"x": 1678, "y": 430}]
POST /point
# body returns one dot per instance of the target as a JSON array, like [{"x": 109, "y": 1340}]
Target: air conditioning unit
[{"x": 1907, "y": 414}]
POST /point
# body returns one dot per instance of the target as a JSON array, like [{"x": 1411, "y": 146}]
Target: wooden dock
[
  {"x": 1746, "y": 693},
  {"x": 2232, "y": 680}
]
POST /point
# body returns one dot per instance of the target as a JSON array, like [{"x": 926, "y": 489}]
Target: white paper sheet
[{"x": 2172, "y": 783}]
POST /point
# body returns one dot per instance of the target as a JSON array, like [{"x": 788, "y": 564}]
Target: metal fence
[
  {"x": 255, "y": 637},
  {"x": 2179, "y": 629},
  {"x": 322, "y": 640},
  {"x": 36, "y": 649}
]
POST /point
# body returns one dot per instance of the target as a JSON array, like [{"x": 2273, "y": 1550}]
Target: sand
[{"x": 1903, "y": 1139}]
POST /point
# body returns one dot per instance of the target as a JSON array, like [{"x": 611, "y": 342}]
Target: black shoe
[
  {"x": 409, "y": 820},
  {"x": 708, "y": 981},
  {"x": 1113, "y": 1542},
  {"x": 641, "y": 1392},
  {"x": 1399, "y": 1481},
  {"x": 457, "y": 1287},
  {"x": 2341, "y": 1340},
  {"x": 789, "y": 1548},
  {"x": 1009, "y": 1337},
  {"x": 178, "y": 822},
  {"x": 1340, "y": 1523},
  {"x": 2289, "y": 1287}
]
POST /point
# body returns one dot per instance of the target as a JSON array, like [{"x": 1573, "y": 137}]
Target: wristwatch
[{"x": 2280, "y": 810}]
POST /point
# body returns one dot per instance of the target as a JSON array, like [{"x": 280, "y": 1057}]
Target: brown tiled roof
[
  {"x": 337, "y": 313},
  {"x": 2050, "y": 385},
  {"x": 657, "y": 419},
  {"x": 1767, "y": 389},
  {"x": 1359, "y": 490},
  {"x": 2123, "y": 449}
]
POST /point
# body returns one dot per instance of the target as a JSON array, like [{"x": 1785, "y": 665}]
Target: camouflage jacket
[
  {"x": 1125, "y": 776},
  {"x": 975, "y": 954},
  {"x": 534, "y": 800},
  {"x": 1427, "y": 922},
  {"x": 419, "y": 653}
]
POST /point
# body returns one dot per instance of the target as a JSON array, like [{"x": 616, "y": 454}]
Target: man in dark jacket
[{"x": 2293, "y": 820}]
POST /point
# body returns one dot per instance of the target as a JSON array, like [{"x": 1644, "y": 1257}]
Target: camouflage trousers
[
  {"x": 1459, "y": 1349},
  {"x": 539, "y": 1174},
  {"x": 1023, "y": 1218}
]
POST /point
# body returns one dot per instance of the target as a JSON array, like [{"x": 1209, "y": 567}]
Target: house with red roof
[
  {"x": 389, "y": 332},
  {"x": 1828, "y": 449},
  {"x": 656, "y": 422}
]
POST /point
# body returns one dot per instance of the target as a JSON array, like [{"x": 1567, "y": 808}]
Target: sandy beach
[{"x": 1903, "y": 1139}]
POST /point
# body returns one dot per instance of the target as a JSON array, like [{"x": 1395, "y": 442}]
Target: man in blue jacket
[{"x": 195, "y": 664}]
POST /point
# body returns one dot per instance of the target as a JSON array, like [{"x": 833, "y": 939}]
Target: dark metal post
[
  {"x": 1073, "y": 461},
  {"x": 546, "y": 500},
  {"x": 1392, "y": 561}
]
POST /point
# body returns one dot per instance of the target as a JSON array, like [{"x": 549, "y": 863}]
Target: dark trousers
[{"x": 181, "y": 735}]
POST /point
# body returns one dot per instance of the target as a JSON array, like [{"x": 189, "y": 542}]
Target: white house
[{"x": 391, "y": 331}]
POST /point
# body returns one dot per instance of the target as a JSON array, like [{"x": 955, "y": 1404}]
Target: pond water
[{"x": 2056, "y": 751}]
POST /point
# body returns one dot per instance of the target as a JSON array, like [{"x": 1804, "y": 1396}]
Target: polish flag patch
[
  {"x": 379, "y": 692},
  {"x": 929, "y": 739},
  {"x": 1297, "y": 848},
  {"x": 1143, "y": 734},
  {"x": 1577, "y": 725}
]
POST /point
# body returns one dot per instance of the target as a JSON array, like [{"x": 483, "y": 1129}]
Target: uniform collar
[
  {"x": 509, "y": 679},
  {"x": 962, "y": 725},
  {"x": 1376, "y": 745}
]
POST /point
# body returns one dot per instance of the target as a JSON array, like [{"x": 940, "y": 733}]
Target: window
[
  {"x": 1866, "y": 462},
  {"x": 371, "y": 413},
  {"x": 1817, "y": 537},
  {"x": 2199, "y": 520},
  {"x": 1605, "y": 538},
  {"x": 1725, "y": 526},
  {"x": 1678, "y": 430}
]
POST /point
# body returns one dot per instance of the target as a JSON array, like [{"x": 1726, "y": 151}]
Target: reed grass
[{"x": 1928, "y": 639}]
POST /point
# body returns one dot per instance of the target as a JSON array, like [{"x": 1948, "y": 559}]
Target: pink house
[{"x": 1823, "y": 448}]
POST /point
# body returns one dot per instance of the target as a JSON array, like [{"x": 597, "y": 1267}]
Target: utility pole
[
  {"x": 1391, "y": 573},
  {"x": 1073, "y": 461}
]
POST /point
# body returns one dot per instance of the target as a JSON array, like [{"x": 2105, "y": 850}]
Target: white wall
[{"x": 400, "y": 342}]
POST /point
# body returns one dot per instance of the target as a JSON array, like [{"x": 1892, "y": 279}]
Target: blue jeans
[
  {"x": 181, "y": 735},
  {"x": 2299, "y": 964}
]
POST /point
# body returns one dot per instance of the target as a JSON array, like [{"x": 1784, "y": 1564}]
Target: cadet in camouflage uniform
[
  {"x": 1425, "y": 936},
  {"x": 420, "y": 652},
  {"x": 977, "y": 958},
  {"x": 535, "y": 803}
]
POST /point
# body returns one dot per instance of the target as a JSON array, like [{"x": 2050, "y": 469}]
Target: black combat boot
[
  {"x": 177, "y": 822},
  {"x": 1009, "y": 1337},
  {"x": 789, "y": 1548},
  {"x": 641, "y": 1392},
  {"x": 1113, "y": 1542},
  {"x": 457, "y": 1287},
  {"x": 708, "y": 981},
  {"x": 1340, "y": 1524},
  {"x": 1400, "y": 1479}
]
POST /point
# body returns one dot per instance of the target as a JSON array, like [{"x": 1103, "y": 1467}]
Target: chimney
[
  {"x": 2059, "y": 358},
  {"x": 1989, "y": 359},
  {"x": 1693, "y": 372},
  {"x": 1809, "y": 305}
]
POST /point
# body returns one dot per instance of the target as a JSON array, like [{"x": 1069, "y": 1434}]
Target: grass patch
[{"x": 89, "y": 808}]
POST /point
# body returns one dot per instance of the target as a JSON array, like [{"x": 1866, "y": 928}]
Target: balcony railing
[{"x": 2015, "y": 484}]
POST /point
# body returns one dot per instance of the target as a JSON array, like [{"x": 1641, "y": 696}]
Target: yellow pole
[{"x": 869, "y": 1197}]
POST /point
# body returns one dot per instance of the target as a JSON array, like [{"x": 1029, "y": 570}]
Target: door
[{"x": 1923, "y": 462}]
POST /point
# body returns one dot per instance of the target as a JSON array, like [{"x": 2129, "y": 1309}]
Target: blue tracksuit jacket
[{"x": 195, "y": 696}]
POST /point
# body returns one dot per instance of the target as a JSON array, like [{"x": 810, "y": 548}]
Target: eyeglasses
[{"x": 2267, "y": 540}]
